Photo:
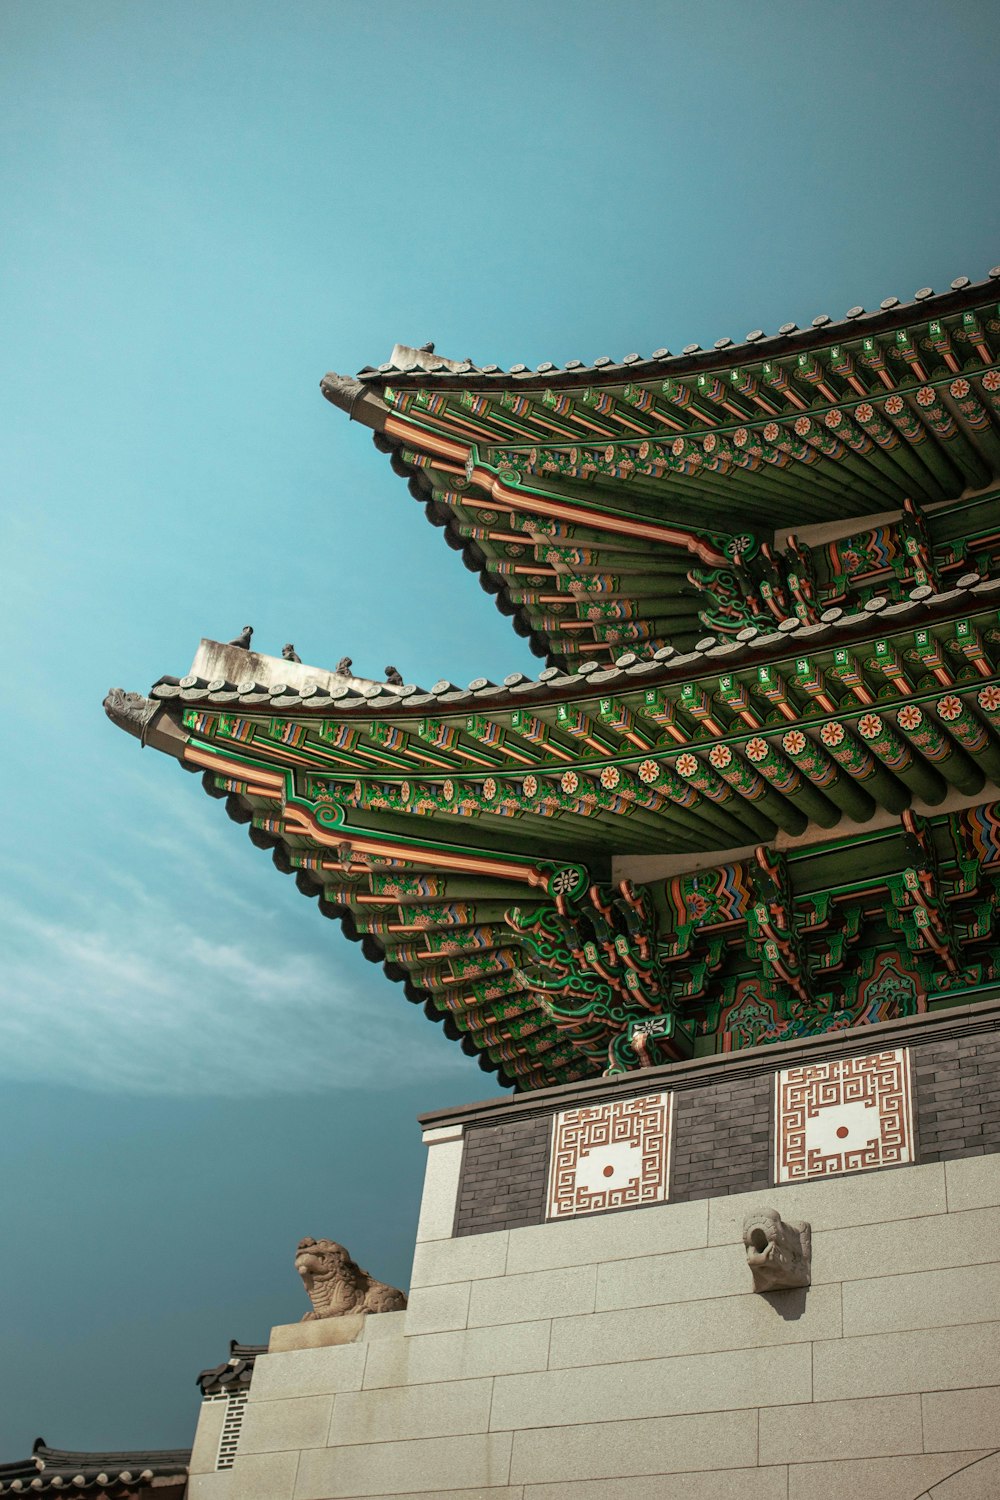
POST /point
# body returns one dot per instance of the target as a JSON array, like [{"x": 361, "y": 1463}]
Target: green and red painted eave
[{"x": 635, "y": 504}]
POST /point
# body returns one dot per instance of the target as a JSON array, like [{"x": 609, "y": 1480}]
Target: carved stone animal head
[
  {"x": 778, "y": 1254},
  {"x": 323, "y": 1261},
  {"x": 130, "y": 711},
  {"x": 336, "y": 1284}
]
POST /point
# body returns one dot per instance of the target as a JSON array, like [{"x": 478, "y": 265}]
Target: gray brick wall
[
  {"x": 722, "y": 1139},
  {"x": 504, "y": 1169},
  {"x": 956, "y": 1096},
  {"x": 723, "y": 1116}
]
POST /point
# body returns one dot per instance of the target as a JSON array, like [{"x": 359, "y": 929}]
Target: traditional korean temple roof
[
  {"x": 118, "y": 1475},
  {"x": 756, "y": 791},
  {"x": 637, "y": 503}
]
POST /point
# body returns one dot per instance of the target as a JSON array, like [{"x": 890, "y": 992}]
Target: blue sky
[{"x": 206, "y": 206}]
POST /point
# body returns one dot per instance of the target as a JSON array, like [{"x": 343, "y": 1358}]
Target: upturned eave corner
[
  {"x": 146, "y": 720},
  {"x": 351, "y": 396}
]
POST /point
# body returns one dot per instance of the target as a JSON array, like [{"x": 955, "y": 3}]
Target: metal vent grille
[{"x": 236, "y": 1403}]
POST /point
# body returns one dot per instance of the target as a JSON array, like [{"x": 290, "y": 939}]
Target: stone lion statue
[{"x": 337, "y": 1285}]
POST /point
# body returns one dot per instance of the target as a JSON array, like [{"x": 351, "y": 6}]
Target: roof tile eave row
[
  {"x": 891, "y": 313},
  {"x": 667, "y": 665},
  {"x": 68, "y": 1472}
]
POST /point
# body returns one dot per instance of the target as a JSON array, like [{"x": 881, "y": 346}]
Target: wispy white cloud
[
  {"x": 130, "y": 997},
  {"x": 162, "y": 954}
]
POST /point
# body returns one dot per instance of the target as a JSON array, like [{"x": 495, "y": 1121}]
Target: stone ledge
[{"x": 319, "y": 1333}]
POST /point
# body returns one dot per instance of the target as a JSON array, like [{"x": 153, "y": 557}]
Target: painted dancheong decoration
[{"x": 754, "y": 793}]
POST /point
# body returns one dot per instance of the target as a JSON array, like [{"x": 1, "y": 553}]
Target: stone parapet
[
  {"x": 626, "y": 1356},
  {"x": 725, "y": 1135}
]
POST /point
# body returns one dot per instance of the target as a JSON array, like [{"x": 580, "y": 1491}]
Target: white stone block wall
[{"x": 626, "y": 1355}]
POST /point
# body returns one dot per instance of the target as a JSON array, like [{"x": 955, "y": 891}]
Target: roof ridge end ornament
[
  {"x": 130, "y": 711},
  {"x": 424, "y": 358},
  {"x": 354, "y": 397}
]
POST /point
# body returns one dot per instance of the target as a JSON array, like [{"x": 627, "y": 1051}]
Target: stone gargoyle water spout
[
  {"x": 778, "y": 1254},
  {"x": 337, "y": 1285}
]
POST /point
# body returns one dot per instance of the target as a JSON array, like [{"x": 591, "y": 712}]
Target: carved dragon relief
[{"x": 594, "y": 960}]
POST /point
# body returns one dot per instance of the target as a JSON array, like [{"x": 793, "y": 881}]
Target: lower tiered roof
[{"x": 816, "y": 790}]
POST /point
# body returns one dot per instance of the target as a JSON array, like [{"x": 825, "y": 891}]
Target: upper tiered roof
[{"x": 637, "y": 503}]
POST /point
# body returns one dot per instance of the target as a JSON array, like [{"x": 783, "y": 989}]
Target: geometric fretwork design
[
  {"x": 845, "y": 1116},
  {"x": 613, "y": 1155}
]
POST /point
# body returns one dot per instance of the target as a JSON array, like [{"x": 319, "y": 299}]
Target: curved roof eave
[{"x": 891, "y": 314}]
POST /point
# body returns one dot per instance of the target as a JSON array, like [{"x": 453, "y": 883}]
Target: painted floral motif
[
  {"x": 960, "y": 388},
  {"x": 864, "y": 412},
  {"x": 794, "y": 742},
  {"x": 802, "y": 426},
  {"x": 448, "y": 790},
  {"x": 870, "y": 726},
  {"x": 405, "y": 791},
  {"x": 949, "y": 707},
  {"x": 741, "y": 437},
  {"x": 925, "y": 396},
  {"x": 894, "y": 405},
  {"x": 687, "y": 765},
  {"x": 564, "y": 882},
  {"x": 489, "y": 789},
  {"x": 530, "y": 786},
  {"x": 910, "y": 717},
  {"x": 832, "y": 734},
  {"x": 757, "y": 748},
  {"x": 991, "y": 381},
  {"x": 772, "y": 432},
  {"x": 720, "y": 756},
  {"x": 834, "y": 418},
  {"x": 649, "y": 771},
  {"x": 989, "y": 698},
  {"x": 610, "y": 778},
  {"x": 569, "y": 781}
]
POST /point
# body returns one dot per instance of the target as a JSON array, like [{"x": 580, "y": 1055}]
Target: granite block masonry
[{"x": 600, "y": 1335}]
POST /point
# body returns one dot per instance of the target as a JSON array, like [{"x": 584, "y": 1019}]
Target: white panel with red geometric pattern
[
  {"x": 846, "y": 1116},
  {"x": 613, "y": 1155}
]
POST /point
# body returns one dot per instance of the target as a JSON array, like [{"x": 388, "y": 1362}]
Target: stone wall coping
[{"x": 748, "y": 1062}]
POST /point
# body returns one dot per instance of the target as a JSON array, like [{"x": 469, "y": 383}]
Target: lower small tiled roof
[
  {"x": 235, "y": 1373},
  {"x": 94, "y": 1474}
]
